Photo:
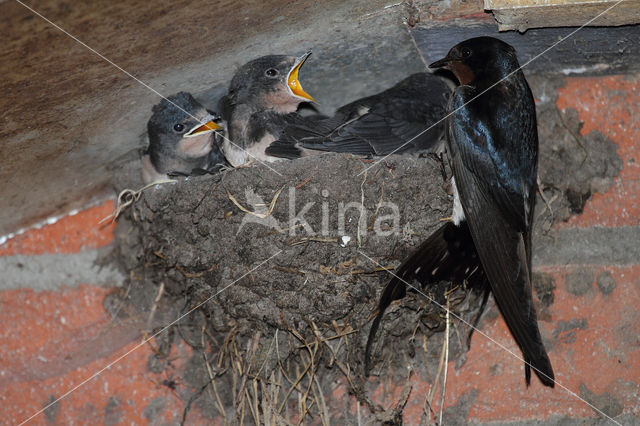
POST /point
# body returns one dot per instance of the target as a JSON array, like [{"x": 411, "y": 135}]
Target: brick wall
[{"x": 56, "y": 333}]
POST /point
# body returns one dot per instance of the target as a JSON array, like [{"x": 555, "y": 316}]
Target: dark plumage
[
  {"x": 182, "y": 140},
  {"x": 404, "y": 118},
  {"x": 447, "y": 255},
  {"x": 492, "y": 143}
]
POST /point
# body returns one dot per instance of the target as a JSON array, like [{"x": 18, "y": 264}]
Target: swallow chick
[
  {"x": 407, "y": 117},
  {"x": 492, "y": 145},
  {"x": 263, "y": 98},
  {"x": 183, "y": 139}
]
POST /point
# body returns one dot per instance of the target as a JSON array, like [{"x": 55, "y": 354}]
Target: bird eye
[
  {"x": 178, "y": 127},
  {"x": 466, "y": 52},
  {"x": 271, "y": 72}
]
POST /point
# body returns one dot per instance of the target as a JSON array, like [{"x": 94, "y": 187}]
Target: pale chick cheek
[
  {"x": 281, "y": 101},
  {"x": 196, "y": 146}
]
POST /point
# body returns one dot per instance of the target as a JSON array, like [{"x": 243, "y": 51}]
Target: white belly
[
  {"x": 237, "y": 156},
  {"x": 457, "y": 215}
]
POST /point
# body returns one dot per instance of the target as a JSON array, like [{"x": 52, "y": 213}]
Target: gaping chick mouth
[
  {"x": 202, "y": 129},
  {"x": 292, "y": 80}
]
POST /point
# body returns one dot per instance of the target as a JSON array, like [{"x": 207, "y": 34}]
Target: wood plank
[
  {"x": 524, "y": 14},
  {"x": 590, "y": 51}
]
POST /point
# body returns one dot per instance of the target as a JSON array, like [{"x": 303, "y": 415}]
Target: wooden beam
[
  {"x": 590, "y": 51},
  {"x": 524, "y": 14}
]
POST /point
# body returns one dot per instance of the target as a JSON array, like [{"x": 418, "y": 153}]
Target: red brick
[
  {"x": 610, "y": 105},
  {"x": 70, "y": 234},
  {"x": 603, "y": 357},
  {"x": 33, "y": 332}
]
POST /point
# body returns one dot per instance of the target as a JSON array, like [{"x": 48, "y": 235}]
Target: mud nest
[
  {"x": 289, "y": 263},
  {"x": 274, "y": 272}
]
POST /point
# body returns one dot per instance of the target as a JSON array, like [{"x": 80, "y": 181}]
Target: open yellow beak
[
  {"x": 294, "y": 83},
  {"x": 202, "y": 129}
]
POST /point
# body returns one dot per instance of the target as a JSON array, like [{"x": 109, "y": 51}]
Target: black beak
[{"x": 441, "y": 63}]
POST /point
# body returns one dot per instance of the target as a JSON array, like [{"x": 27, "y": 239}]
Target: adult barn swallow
[
  {"x": 182, "y": 139},
  {"x": 492, "y": 144},
  {"x": 404, "y": 118},
  {"x": 263, "y": 97}
]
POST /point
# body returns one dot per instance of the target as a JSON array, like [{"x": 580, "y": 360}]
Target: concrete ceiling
[{"x": 68, "y": 117}]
